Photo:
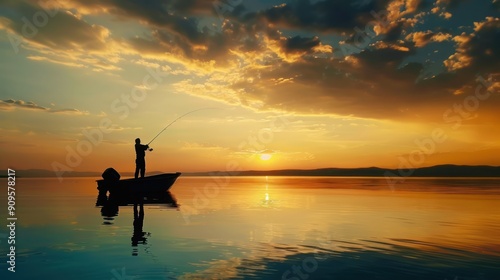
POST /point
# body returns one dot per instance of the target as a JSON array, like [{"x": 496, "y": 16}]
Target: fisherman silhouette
[{"x": 140, "y": 162}]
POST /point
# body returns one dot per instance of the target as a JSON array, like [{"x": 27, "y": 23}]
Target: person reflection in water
[
  {"x": 140, "y": 162},
  {"x": 139, "y": 236}
]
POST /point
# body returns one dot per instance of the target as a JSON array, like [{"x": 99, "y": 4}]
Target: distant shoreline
[{"x": 447, "y": 170}]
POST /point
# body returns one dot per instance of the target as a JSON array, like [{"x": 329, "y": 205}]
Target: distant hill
[{"x": 447, "y": 170}]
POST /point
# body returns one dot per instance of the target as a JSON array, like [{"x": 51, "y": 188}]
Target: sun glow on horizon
[{"x": 265, "y": 156}]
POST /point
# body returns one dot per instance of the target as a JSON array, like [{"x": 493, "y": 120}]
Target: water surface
[{"x": 262, "y": 228}]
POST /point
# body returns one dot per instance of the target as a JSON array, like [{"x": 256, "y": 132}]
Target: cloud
[
  {"x": 58, "y": 36},
  {"x": 300, "y": 44},
  {"x": 75, "y": 112},
  {"x": 422, "y": 38},
  {"x": 284, "y": 57},
  {"x": 175, "y": 31},
  {"x": 56, "y": 30},
  {"x": 65, "y": 63},
  {"x": 11, "y": 105},
  {"x": 376, "y": 81},
  {"x": 479, "y": 50},
  {"x": 323, "y": 16},
  {"x": 446, "y": 15}
]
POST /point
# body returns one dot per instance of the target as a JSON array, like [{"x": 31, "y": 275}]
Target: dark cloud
[
  {"x": 394, "y": 32},
  {"x": 375, "y": 83},
  {"x": 54, "y": 29},
  {"x": 495, "y": 5},
  {"x": 175, "y": 27},
  {"x": 478, "y": 52},
  {"x": 175, "y": 15},
  {"x": 300, "y": 44},
  {"x": 386, "y": 57},
  {"x": 168, "y": 16},
  {"x": 324, "y": 16},
  {"x": 206, "y": 47}
]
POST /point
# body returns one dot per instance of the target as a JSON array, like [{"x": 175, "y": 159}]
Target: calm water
[{"x": 262, "y": 228}]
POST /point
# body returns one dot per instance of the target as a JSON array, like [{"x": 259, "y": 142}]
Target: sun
[{"x": 265, "y": 156}]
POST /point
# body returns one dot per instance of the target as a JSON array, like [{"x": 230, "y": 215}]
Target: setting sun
[{"x": 265, "y": 156}]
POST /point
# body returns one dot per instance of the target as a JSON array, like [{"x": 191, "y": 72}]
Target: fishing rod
[{"x": 171, "y": 123}]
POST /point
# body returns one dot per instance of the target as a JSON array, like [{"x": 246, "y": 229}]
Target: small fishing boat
[
  {"x": 150, "y": 187},
  {"x": 160, "y": 182}
]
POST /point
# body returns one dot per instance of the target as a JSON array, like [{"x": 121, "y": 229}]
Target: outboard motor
[
  {"x": 111, "y": 174},
  {"x": 110, "y": 177}
]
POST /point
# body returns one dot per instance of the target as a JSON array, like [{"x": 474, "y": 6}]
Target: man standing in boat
[{"x": 140, "y": 162}]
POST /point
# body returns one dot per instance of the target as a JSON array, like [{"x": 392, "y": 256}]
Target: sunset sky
[{"x": 280, "y": 84}]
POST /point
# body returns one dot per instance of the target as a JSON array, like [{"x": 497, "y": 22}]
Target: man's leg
[
  {"x": 143, "y": 169},
  {"x": 137, "y": 166}
]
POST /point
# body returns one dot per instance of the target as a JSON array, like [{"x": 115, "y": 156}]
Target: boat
[{"x": 148, "y": 188}]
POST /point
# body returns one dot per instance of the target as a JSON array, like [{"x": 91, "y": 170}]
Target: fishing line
[{"x": 171, "y": 123}]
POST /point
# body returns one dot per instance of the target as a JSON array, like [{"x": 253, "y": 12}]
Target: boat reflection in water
[{"x": 111, "y": 203}]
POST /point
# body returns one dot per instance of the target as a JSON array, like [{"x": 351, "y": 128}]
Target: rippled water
[{"x": 262, "y": 228}]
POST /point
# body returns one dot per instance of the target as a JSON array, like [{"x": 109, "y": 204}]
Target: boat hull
[{"x": 129, "y": 190}]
